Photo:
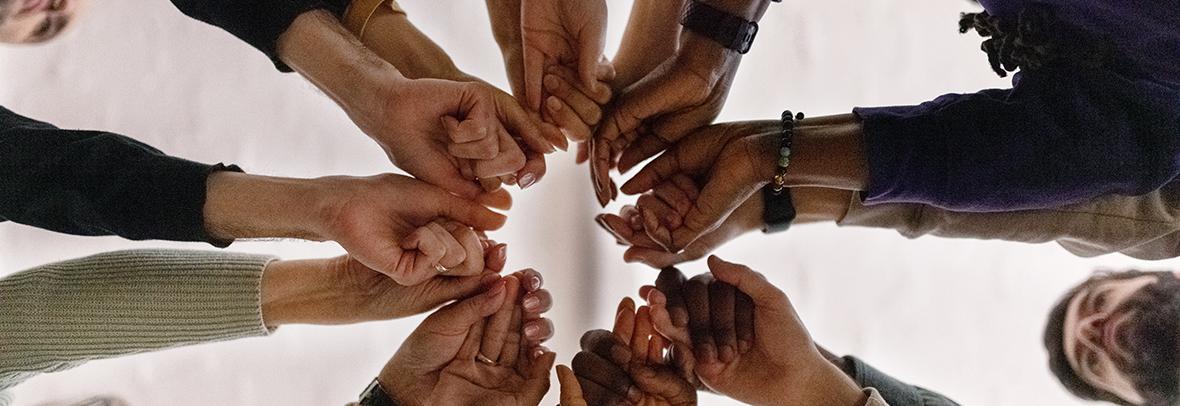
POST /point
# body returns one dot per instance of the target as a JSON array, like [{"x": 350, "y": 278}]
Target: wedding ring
[
  {"x": 485, "y": 360},
  {"x": 440, "y": 269}
]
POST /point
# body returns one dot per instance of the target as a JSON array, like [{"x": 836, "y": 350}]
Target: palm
[
  {"x": 464, "y": 382},
  {"x": 389, "y": 300}
]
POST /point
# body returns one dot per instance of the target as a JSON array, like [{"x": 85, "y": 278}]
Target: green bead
[
  {"x": 784, "y": 151},
  {"x": 784, "y": 162}
]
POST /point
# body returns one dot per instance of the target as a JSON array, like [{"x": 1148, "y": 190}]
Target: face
[
  {"x": 1095, "y": 334},
  {"x": 35, "y": 21}
]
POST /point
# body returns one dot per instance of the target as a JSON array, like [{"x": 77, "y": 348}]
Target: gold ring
[
  {"x": 440, "y": 269},
  {"x": 485, "y": 360}
]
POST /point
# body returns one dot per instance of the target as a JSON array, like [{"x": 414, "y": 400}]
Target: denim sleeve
[
  {"x": 1059, "y": 136},
  {"x": 98, "y": 183},
  {"x": 895, "y": 392}
]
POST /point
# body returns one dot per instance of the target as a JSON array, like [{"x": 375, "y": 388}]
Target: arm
[
  {"x": 391, "y": 35},
  {"x": 651, "y": 38},
  {"x": 505, "y": 19},
  {"x": 98, "y": 183}
]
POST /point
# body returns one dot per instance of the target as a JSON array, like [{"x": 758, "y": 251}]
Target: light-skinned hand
[{"x": 561, "y": 32}]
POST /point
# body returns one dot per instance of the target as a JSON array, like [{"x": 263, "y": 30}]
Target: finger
[
  {"x": 673, "y": 162},
  {"x": 534, "y": 69},
  {"x": 590, "y": 46},
  {"x": 537, "y": 331},
  {"x": 760, "y": 290},
  {"x": 624, "y": 319},
  {"x": 744, "y": 321},
  {"x": 453, "y": 252},
  {"x": 467, "y": 212},
  {"x": 536, "y": 303},
  {"x": 426, "y": 249},
  {"x": 530, "y": 279},
  {"x": 464, "y": 314},
  {"x": 486, "y": 148},
  {"x": 696, "y": 299},
  {"x": 654, "y": 228},
  {"x": 599, "y": 395},
  {"x": 605, "y": 71},
  {"x": 533, "y": 170},
  {"x": 656, "y": 258},
  {"x": 641, "y": 337},
  {"x": 559, "y": 85},
  {"x": 600, "y": 163},
  {"x": 583, "y": 153},
  {"x": 718, "y": 200},
  {"x": 606, "y": 374},
  {"x": 537, "y": 384},
  {"x": 642, "y": 149},
  {"x": 655, "y": 349},
  {"x": 607, "y": 345},
  {"x": 572, "y": 126},
  {"x": 509, "y": 161},
  {"x": 723, "y": 319},
  {"x": 495, "y": 257},
  {"x": 571, "y": 391},
  {"x": 474, "y": 257},
  {"x": 514, "y": 340},
  {"x": 671, "y": 282},
  {"x": 497, "y": 329},
  {"x": 616, "y": 226},
  {"x": 495, "y": 199},
  {"x": 673, "y": 194},
  {"x": 662, "y": 321},
  {"x": 528, "y": 127},
  {"x": 658, "y": 215},
  {"x": 466, "y": 131}
]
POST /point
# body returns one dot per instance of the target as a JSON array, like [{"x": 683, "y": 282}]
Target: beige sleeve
[{"x": 875, "y": 398}]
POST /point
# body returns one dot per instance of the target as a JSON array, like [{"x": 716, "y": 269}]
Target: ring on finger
[
  {"x": 441, "y": 269},
  {"x": 483, "y": 359}
]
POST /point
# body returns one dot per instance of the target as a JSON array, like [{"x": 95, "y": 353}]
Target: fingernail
[
  {"x": 538, "y": 352},
  {"x": 502, "y": 251},
  {"x": 510, "y": 179},
  {"x": 553, "y": 104},
  {"x": 532, "y": 303},
  {"x": 532, "y": 331},
  {"x": 601, "y": 220},
  {"x": 534, "y": 282},
  {"x": 527, "y": 180},
  {"x": 551, "y": 82},
  {"x": 743, "y": 346}
]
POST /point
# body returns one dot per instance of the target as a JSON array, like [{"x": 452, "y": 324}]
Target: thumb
[
  {"x": 720, "y": 197},
  {"x": 753, "y": 284},
  {"x": 590, "y": 47},
  {"x": 467, "y": 212},
  {"x": 461, "y": 315},
  {"x": 571, "y": 390}
]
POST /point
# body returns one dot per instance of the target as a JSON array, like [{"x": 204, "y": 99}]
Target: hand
[
  {"x": 388, "y": 223},
  {"x": 437, "y": 363},
  {"x": 450, "y": 133},
  {"x": 344, "y": 291},
  {"x": 573, "y": 107},
  {"x": 627, "y": 366},
  {"x": 684, "y": 93},
  {"x": 733, "y": 161},
  {"x": 746, "y": 339},
  {"x": 571, "y": 391},
  {"x": 645, "y": 228},
  {"x": 561, "y": 32}
]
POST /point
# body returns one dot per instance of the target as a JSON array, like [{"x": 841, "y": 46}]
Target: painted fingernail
[
  {"x": 532, "y": 331},
  {"x": 502, "y": 251},
  {"x": 527, "y": 180},
  {"x": 534, "y": 282},
  {"x": 532, "y": 304},
  {"x": 538, "y": 352}
]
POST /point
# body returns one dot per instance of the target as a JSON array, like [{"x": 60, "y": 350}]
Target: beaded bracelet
[{"x": 784, "y": 152}]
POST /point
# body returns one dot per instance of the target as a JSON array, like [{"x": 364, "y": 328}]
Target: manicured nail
[
  {"x": 527, "y": 180},
  {"x": 532, "y": 304},
  {"x": 502, "y": 251},
  {"x": 532, "y": 331},
  {"x": 539, "y": 351}
]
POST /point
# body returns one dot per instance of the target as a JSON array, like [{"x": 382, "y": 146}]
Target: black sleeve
[
  {"x": 257, "y": 22},
  {"x": 98, "y": 183},
  {"x": 894, "y": 391}
]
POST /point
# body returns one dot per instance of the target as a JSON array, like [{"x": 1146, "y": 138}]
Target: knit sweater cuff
[{"x": 58, "y": 316}]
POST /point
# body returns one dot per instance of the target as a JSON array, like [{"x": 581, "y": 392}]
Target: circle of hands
[{"x": 462, "y": 140}]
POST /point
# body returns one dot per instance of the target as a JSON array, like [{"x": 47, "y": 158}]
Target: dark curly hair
[{"x": 1034, "y": 39}]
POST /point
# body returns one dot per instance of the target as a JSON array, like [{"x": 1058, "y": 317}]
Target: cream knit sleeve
[{"x": 61, "y": 315}]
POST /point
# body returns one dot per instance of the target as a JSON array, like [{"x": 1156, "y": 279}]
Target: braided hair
[{"x": 1037, "y": 38}]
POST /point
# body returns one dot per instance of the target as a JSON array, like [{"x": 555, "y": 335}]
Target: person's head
[
  {"x": 1115, "y": 336},
  {"x": 35, "y": 21},
  {"x": 1032, "y": 38}
]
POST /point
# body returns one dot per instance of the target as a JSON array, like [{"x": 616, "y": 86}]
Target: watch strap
[
  {"x": 778, "y": 210},
  {"x": 375, "y": 395},
  {"x": 730, "y": 31}
]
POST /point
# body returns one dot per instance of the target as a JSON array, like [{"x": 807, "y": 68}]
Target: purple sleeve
[{"x": 1058, "y": 137}]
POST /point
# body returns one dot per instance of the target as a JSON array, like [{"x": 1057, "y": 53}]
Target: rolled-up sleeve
[
  {"x": 892, "y": 390},
  {"x": 1059, "y": 136}
]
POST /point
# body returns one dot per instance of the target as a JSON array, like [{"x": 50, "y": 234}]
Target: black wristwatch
[
  {"x": 778, "y": 210},
  {"x": 730, "y": 31},
  {"x": 375, "y": 395}
]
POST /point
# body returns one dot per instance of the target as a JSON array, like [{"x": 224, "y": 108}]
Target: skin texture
[
  {"x": 437, "y": 365},
  {"x": 561, "y": 32},
  {"x": 762, "y": 357},
  {"x": 37, "y": 21}
]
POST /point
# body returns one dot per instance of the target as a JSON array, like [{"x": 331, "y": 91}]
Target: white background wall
[{"x": 963, "y": 317}]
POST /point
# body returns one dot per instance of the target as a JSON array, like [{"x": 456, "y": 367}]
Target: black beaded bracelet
[{"x": 786, "y": 138}]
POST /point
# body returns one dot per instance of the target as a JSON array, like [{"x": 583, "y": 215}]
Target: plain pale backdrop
[{"x": 963, "y": 317}]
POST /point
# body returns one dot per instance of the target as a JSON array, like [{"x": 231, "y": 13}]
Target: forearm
[
  {"x": 505, "y": 19},
  {"x": 651, "y": 37},
  {"x": 308, "y": 292},
  {"x": 251, "y": 206},
  {"x": 393, "y": 37},
  {"x": 322, "y": 50},
  {"x": 827, "y": 152},
  {"x": 60, "y": 315}
]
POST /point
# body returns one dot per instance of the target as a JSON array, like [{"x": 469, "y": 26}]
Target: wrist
[
  {"x": 240, "y": 205},
  {"x": 825, "y": 385},
  {"x": 707, "y": 58},
  {"x": 298, "y": 292}
]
